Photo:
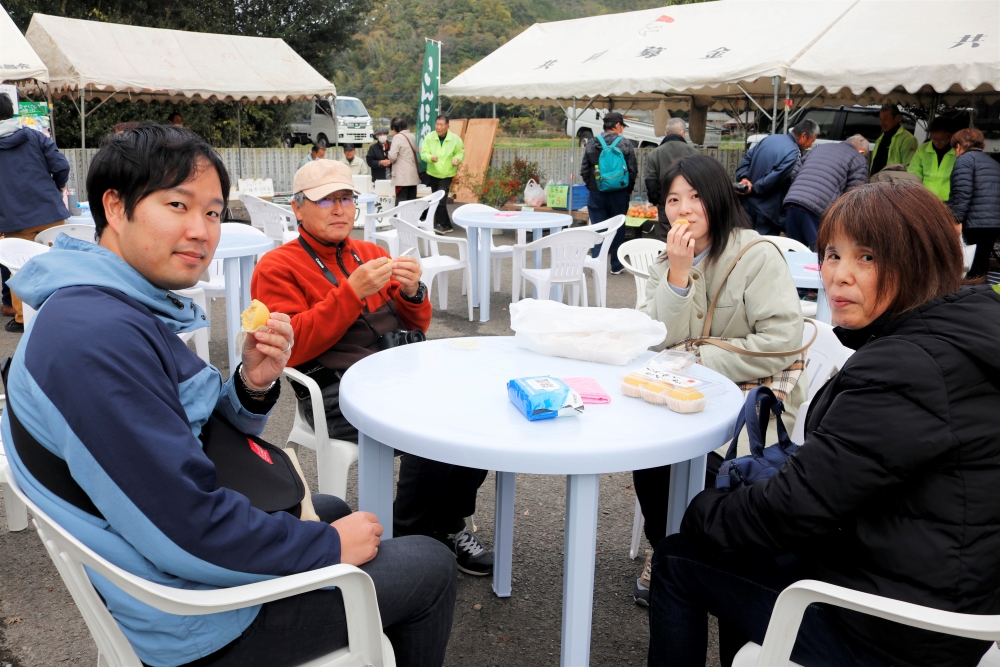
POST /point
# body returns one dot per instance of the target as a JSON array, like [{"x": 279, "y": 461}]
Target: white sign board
[
  {"x": 11, "y": 92},
  {"x": 258, "y": 187}
]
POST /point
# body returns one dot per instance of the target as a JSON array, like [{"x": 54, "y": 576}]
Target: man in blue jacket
[
  {"x": 766, "y": 170},
  {"x": 32, "y": 174},
  {"x": 129, "y": 435}
]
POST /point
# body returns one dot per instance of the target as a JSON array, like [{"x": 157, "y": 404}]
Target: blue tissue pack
[{"x": 543, "y": 397}]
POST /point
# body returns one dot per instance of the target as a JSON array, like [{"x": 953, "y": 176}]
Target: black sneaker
[
  {"x": 14, "y": 326},
  {"x": 444, "y": 230},
  {"x": 617, "y": 272},
  {"x": 473, "y": 558},
  {"x": 640, "y": 593}
]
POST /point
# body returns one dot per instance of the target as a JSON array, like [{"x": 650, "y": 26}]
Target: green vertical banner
[{"x": 429, "y": 80}]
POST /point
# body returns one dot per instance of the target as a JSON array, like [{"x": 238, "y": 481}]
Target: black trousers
[
  {"x": 441, "y": 217},
  {"x": 983, "y": 238},
  {"x": 405, "y": 193},
  {"x": 415, "y": 583},
  {"x": 652, "y": 488}
]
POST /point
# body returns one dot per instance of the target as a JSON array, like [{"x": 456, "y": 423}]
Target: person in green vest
[
  {"x": 935, "y": 159},
  {"x": 896, "y": 145},
  {"x": 443, "y": 151}
]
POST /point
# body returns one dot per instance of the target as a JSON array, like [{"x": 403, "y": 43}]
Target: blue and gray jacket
[{"x": 101, "y": 379}]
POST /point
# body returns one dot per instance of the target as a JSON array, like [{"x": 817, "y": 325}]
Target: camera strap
[{"x": 327, "y": 273}]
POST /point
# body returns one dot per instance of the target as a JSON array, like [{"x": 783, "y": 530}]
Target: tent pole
[
  {"x": 239, "y": 136},
  {"x": 83, "y": 118},
  {"x": 774, "y": 117},
  {"x": 52, "y": 113},
  {"x": 788, "y": 107},
  {"x": 572, "y": 165}
]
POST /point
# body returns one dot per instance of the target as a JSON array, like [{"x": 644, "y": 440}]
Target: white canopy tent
[
  {"x": 113, "y": 61},
  {"x": 18, "y": 61}
]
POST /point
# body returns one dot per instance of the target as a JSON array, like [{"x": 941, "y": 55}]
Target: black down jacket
[
  {"x": 896, "y": 490},
  {"x": 975, "y": 190},
  {"x": 825, "y": 173}
]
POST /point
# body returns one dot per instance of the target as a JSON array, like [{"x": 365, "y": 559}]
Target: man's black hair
[
  {"x": 891, "y": 108},
  {"x": 447, "y": 121},
  {"x": 805, "y": 126},
  {"x": 144, "y": 160},
  {"x": 315, "y": 149},
  {"x": 398, "y": 124},
  {"x": 171, "y": 117},
  {"x": 6, "y": 107},
  {"x": 350, "y": 147}
]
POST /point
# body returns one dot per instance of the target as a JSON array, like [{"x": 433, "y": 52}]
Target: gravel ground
[{"x": 41, "y": 627}]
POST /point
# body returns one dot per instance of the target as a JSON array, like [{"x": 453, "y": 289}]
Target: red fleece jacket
[{"x": 287, "y": 280}]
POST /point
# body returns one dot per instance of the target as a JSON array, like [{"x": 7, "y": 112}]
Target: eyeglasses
[{"x": 345, "y": 201}]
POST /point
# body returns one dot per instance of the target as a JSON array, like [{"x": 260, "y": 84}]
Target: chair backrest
[
  {"x": 566, "y": 252},
  {"x": 434, "y": 200},
  {"x": 15, "y": 252},
  {"x": 789, "y": 245},
  {"x": 273, "y": 219},
  {"x": 410, "y": 211},
  {"x": 410, "y": 235},
  {"x": 241, "y": 228},
  {"x": 637, "y": 256},
  {"x": 825, "y": 358},
  {"x": 607, "y": 229},
  {"x": 76, "y": 231},
  {"x": 969, "y": 254},
  {"x": 475, "y": 208}
]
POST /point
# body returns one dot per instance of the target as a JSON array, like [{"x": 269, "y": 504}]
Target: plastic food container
[
  {"x": 673, "y": 361},
  {"x": 685, "y": 400},
  {"x": 635, "y": 382},
  {"x": 656, "y": 392}
]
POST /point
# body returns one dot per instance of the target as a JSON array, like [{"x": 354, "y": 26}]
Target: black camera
[
  {"x": 741, "y": 188},
  {"x": 392, "y": 339}
]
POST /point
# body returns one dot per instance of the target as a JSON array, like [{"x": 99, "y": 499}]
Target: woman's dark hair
[
  {"x": 398, "y": 124},
  {"x": 969, "y": 138},
  {"x": 144, "y": 160},
  {"x": 911, "y": 234},
  {"x": 715, "y": 188},
  {"x": 6, "y": 107}
]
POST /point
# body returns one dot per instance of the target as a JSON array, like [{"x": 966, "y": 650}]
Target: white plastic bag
[
  {"x": 534, "y": 194},
  {"x": 613, "y": 336}
]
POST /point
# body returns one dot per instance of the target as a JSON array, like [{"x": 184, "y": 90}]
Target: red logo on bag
[{"x": 260, "y": 451}]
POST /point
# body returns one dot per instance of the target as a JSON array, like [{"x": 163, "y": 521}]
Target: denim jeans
[
  {"x": 687, "y": 585},
  {"x": 801, "y": 225},
  {"x": 604, "y": 205},
  {"x": 415, "y": 582},
  {"x": 762, "y": 225}
]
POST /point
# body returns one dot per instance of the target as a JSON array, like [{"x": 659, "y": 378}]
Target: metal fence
[
  {"x": 557, "y": 163},
  {"x": 280, "y": 164}
]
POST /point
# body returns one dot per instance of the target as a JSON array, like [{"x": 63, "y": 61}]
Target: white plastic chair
[
  {"x": 497, "y": 252},
  {"x": 17, "y": 513},
  {"x": 409, "y": 211},
  {"x": 333, "y": 457},
  {"x": 636, "y": 256},
  {"x": 73, "y": 230},
  {"x": 968, "y": 255},
  {"x": 215, "y": 286},
  {"x": 599, "y": 266},
  {"x": 788, "y": 245},
  {"x": 786, "y": 617},
  {"x": 567, "y": 250},
  {"x": 276, "y": 222},
  {"x": 200, "y": 336},
  {"x": 436, "y": 265},
  {"x": 366, "y": 643},
  {"x": 14, "y": 253}
]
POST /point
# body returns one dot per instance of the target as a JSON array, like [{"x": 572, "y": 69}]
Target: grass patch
[{"x": 515, "y": 142}]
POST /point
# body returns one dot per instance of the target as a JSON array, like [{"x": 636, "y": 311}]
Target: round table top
[
  {"x": 804, "y": 278},
  {"x": 511, "y": 219},
  {"x": 242, "y": 244},
  {"x": 443, "y": 402}
]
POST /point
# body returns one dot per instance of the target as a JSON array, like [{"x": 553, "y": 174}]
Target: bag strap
[
  {"x": 416, "y": 163},
  {"x": 602, "y": 142},
  {"x": 707, "y": 340},
  {"x": 757, "y": 407},
  {"x": 615, "y": 142},
  {"x": 322, "y": 266}
]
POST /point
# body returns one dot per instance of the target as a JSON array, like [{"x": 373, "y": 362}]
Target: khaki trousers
[{"x": 28, "y": 234}]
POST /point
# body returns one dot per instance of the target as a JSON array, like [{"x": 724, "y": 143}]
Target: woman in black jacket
[
  {"x": 894, "y": 491},
  {"x": 975, "y": 196}
]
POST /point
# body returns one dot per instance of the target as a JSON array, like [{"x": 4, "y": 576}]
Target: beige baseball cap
[{"x": 319, "y": 178}]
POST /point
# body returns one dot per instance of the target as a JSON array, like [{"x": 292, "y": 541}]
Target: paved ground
[{"x": 41, "y": 627}]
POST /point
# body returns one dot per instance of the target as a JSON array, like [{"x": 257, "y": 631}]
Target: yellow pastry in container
[
  {"x": 656, "y": 392},
  {"x": 632, "y": 383},
  {"x": 685, "y": 399}
]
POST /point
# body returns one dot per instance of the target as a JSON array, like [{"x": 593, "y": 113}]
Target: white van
[
  {"x": 313, "y": 123},
  {"x": 638, "y": 127}
]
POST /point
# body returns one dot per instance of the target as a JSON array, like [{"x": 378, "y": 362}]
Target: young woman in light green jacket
[{"x": 758, "y": 308}]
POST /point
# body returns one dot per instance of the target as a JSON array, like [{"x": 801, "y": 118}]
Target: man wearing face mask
[{"x": 378, "y": 156}]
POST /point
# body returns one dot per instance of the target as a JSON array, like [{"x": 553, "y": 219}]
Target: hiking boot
[
  {"x": 443, "y": 230},
  {"x": 641, "y": 590},
  {"x": 14, "y": 326},
  {"x": 473, "y": 558}
]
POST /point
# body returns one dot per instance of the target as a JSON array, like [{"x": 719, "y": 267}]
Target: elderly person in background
[
  {"x": 672, "y": 147},
  {"x": 935, "y": 159},
  {"x": 896, "y": 144},
  {"x": 317, "y": 152},
  {"x": 378, "y": 155},
  {"x": 442, "y": 151},
  {"x": 823, "y": 174},
  {"x": 355, "y": 162},
  {"x": 893, "y": 491},
  {"x": 975, "y": 196},
  {"x": 403, "y": 156},
  {"x": 766, "y": 170}
]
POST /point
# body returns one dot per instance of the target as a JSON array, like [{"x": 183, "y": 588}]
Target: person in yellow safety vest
[
  {"x": 443, "y": 151},
  {"x": 896, "y": 145},
  {"x": 935, "y": 159}
]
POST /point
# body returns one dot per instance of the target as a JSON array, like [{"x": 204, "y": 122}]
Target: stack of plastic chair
[
  {"x": 436, "y": 266},
  {"x": 276, "y": 222},
  {"x": 409, "y": 211}
]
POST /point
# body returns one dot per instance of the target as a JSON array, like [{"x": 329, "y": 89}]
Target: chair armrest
[
  {"x": 315, "y": 398},
  {"x": 793, "y": 601}
]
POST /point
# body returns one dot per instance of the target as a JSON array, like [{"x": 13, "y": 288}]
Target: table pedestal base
[
  {"x": 376, "y": 470},
  {"x": 687, "y": 479},
  {"x": 503, "y": 534},
  {"x": 578, "y": 568}
]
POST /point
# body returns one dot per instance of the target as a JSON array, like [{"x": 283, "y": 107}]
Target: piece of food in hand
[
  {"x": 255, "y": 317},
  {"x": 685, "y": 399},
  {"x": 679, "y": 221}
]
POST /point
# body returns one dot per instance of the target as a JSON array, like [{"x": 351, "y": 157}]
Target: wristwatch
[{"x": 419, "y": 296}]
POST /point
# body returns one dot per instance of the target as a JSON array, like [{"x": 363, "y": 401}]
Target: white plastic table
[
  {"x": 805, "y": 278},
  {"x": 480, "y": 262},
  {"x": 449, "y": 404},
  {"x": 238, "y": 249}
]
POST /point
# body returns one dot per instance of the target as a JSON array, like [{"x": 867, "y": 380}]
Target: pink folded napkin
[
  {"x": 506, "y": 214},
  {"x": 811, "y": 267},
  {"x": 590, "y": 391}
]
